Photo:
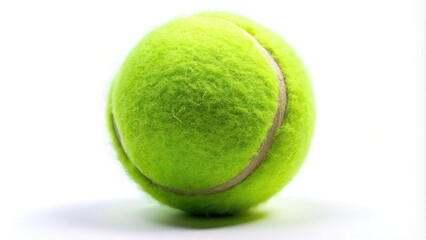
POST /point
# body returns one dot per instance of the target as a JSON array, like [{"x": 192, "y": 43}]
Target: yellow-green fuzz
[{"x": 192, "y": 104}]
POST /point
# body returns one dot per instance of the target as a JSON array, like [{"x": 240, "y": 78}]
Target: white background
[{"x": 363, "y": 179}]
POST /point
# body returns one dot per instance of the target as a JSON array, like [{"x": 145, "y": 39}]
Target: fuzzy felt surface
[{"x": 193, "y": 102}]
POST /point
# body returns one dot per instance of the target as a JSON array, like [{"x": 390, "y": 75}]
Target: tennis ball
[{"x": 211, "y": 114}]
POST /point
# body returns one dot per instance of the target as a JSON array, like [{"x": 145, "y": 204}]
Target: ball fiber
[{"x": 211, "y": 114}]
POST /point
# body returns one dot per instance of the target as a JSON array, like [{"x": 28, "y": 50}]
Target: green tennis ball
[{"x": 211, "y": 114}]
